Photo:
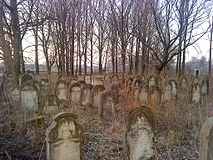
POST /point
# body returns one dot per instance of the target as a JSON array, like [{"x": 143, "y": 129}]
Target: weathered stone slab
[
  {"x": 75, "y": 91},
  {"x": 86, "y": 95},
  {"x": 63, "y": 138},
  {"x": 206, "y": 140},
  {"x": 96, "y": 94},
  {"x": 61, "y": 90},
  {"x": 138, "y": 135},
  {"x": 108, "y": 104},
  {"x": 29, "y": 97},
  {"x": 195, "y": 93},
  {"x": 50, "y": 104},
  {"x": 23, "y": 78}
]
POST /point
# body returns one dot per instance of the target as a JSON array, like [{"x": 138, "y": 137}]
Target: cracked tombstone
[
  {"x": 86, "y": 95},
  {"x": 206, "y": 140},
  {"x": 50, "y": 104},
  {"x": 139, "y": 135},
  {"x": 75, "y": 90},
  {"x": 30, "y": 98},
  {"x": 108, "y": 104},
  {"x": 63, "y": 138},
  {"x": 61, "y": 90},
  {"x": 196, "y": 93},
  {"x": 96, "y": 94}
]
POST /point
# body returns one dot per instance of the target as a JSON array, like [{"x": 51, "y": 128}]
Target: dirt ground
[{"x": 177, "y": 128}]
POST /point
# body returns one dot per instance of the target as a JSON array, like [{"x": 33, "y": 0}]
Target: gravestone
[
  {"x": 173, "y": 84},
  {"x": 205, "y": 86},
  {"x": 9, "y": 84},
  {"x": 167, "y": 92},
  {"x": 183, "y": 83},
  {"x": 197, "y": 73},
  {"x": 23, "y": 78},
  {"x": 31, "y": 73},
  {"x": 195, "y": 93},
  {"x": 86, "y": 95},
  {"x": 98, "y": 81},
  {"x": 139, "y": 135},
  {"x": 151, "y": 81},
  {"x": 30, "y": 97},
  {"x": 50, "y": 104},
  {"x": 154, "y": 97},
  {"x": 107, "y": 105},
  {"x": 75, "y": 90},
  {"x": 143, "y": 94},
  {"x": 114, "y": 79},
  {"x": 206, "y": 140},
  {"x": 88, "y": 79},
  {"x": 15, "y": 96},
  {"x": 61, "y": 89},
  {"x": 63, "y": 138},
  {"x": 96, "y": 94}
]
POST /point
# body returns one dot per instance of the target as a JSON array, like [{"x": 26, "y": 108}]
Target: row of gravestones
[
  {"x": 153, "y": 88},
  {"x": 64, "y": 137}
]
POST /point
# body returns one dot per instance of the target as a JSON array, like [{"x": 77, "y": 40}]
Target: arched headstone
[
  {"x": 195, "y": 93},
  {"x": 50, "y": 104},
  {"x": 63, "y": 138},
  {"x": 96, "y": 94},
  {"x": 75, "y": 90},
  {"x": 206, "y": 140},
  {"x": 108, "y": 104},
  {"x": 30, "y": 97},
  {"x": 61, "y": 89},
  {"x": 23, "y": 78},
  {"x": 86, "y": 95},
  {"x": 139, "y": 135}
]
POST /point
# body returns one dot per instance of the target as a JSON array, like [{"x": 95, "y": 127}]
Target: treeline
[{"x": 128, "y": 35}]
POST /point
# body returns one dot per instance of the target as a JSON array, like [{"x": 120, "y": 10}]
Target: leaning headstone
[
  {"x": 206, "y": 140},
  {"x": 61, "y": 89},
  {"x": 107, "y": 105},
  {"x": 86, "y": 95},
  {"x": 30, "y": 97},
  {"x": 96, "y": 94},
  {"x": 63, "y": 138},
  {"x": 195, "y": 93},
  {"x": 139, "y": 135},
  {"x": 75, "y": 90},
  {"x": 50, "y": 104}
]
